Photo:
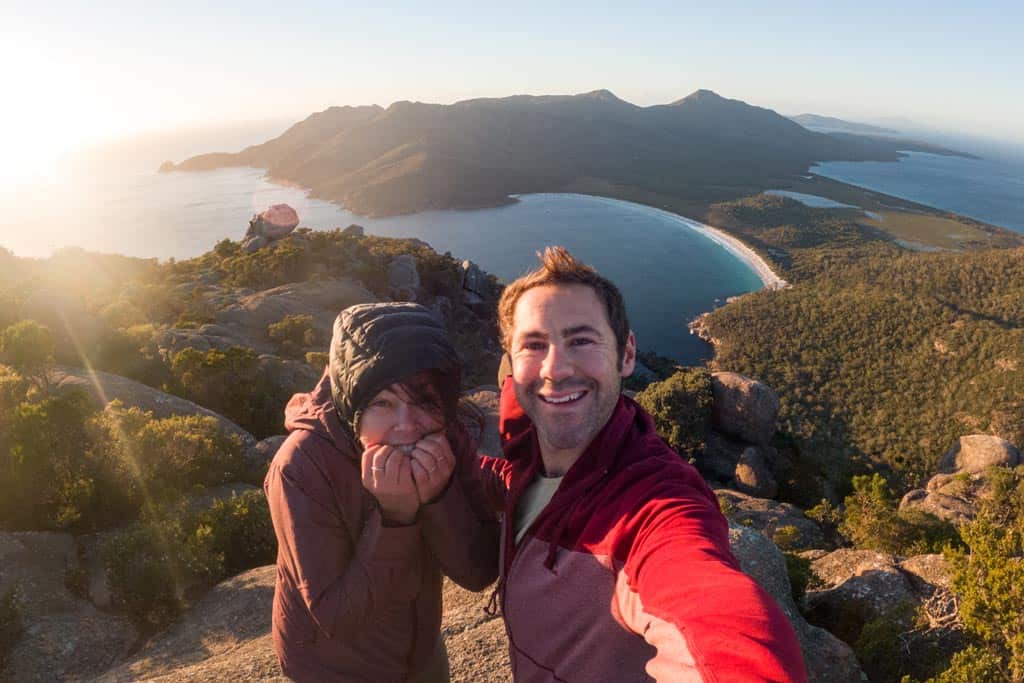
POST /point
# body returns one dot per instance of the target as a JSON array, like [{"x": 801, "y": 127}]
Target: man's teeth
[{"x": 564, "y": 399}]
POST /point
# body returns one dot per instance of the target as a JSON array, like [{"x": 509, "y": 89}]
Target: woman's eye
[{"x": 381, "y": 403}]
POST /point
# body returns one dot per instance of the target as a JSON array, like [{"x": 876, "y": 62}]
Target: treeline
[{"x": 884, "y": 358}]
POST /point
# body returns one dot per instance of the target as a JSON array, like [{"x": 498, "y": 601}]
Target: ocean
[{"x": 990, "y": 189}]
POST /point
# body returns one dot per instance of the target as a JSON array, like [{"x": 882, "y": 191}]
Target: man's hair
[{"x": 559, "y": 267}]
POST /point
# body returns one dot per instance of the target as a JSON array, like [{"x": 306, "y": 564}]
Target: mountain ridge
[{"x": 415, "y": 156}]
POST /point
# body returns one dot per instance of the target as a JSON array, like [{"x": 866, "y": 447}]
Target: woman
[{"x": 372, "y": 498}]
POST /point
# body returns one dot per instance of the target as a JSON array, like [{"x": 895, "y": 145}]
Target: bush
[
  {"x": 318, "y": 359},
  {"x": 28, "y": 346},
  {"x": 231, "y": 383},
  {"x": 11, "y": 625},
  {"x": 157, "y": 461},
  {"x": 800, "y": 575},
  {"x": 293, "y": 333},
  {"x": 42, "y": 474},
  {"x": 156, "y": 566},
  {"x": 871, "y": 521},
  {"x": 681, "y": 408}
]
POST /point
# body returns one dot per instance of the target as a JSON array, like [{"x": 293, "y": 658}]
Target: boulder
[
  {"x": 828, "y": 659},
  {"x": 259, "y": 456},
  {"x": 855, "y": 587},
  {"x": 949, "y": 508},
  {"x": 767, "y": 516},
  {"x": 718, "y": 460},
  {"x": 975, "y": 453},
  {"x": 103, "y": 387},
  {"x": 473, "y": 279},
  {"x": 246, "y": 316},
  {"x": 403, "y": 278},
  {"x": 250, "y": 245},
  {"x": 64, "y": 637},
  {"x": 486, "y": 399},
  {"x": 744, "y": 408},
  {"x": 753, "y": 476},
  {"x": 274, "y": 222},
  {"x": 224, "y": 636},
  {"x": 353, "y": 231}
]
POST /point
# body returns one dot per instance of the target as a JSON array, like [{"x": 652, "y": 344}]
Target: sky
[{"x": 78, "y": 74}]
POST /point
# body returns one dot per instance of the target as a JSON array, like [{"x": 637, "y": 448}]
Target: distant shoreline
[{"x": 769, "y": 278}]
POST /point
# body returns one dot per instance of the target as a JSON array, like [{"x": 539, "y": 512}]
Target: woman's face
[{"x": 394, "y": 417}]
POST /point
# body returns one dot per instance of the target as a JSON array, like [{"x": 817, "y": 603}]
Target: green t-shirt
[{"x": 535, "y": 498}]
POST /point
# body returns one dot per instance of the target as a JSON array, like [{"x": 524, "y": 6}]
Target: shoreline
[{"x": 769, "y": 278}]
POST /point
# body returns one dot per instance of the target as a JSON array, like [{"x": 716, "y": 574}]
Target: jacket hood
[
  {"x": 315, "y": 412},
  {"x": 375, "y": 345}
]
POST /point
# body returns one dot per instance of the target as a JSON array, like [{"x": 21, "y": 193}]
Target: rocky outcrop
[
  {"x": 954, "y": 493},
  {"x": 246, "y": 318},
  {"x": 753, "y": 476},
  {"x": 768, "y": 516},
  {"x": 403, "y": 278},
  {"x": 353, "y": 231},
  {"x": 103, "y": 387},
  {"x": 474, "y": 282},
  {"x": 828, "y": 659},
  {"x": 744, "y": 408},
  {"x": 858, "y": 586},
  {"x": 975, "y": 453},
  {"x": 485, "y": 398},
  {"x": 65, "y": 637},
  {"x": 271, "y": 224}
]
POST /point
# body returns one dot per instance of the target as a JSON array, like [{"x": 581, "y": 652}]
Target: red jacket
[
  {"x": 355, "y": 600},
  {"x": 627, "y": 573}
]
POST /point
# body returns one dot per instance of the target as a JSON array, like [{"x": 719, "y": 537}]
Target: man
[{"x": 615, "y": 557}]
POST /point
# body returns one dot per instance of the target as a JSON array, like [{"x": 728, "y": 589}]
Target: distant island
[{"x": 414, "y": 156}]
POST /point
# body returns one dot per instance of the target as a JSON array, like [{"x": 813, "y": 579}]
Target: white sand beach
[{"x": 731, "y": 244}]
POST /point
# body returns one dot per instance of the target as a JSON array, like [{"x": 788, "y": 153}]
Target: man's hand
[
  {"x": 432, "y": 465},
  {"x": 387, "y": 474}
]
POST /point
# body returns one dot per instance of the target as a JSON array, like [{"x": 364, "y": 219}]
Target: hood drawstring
[{"x": 491, "y": 609}]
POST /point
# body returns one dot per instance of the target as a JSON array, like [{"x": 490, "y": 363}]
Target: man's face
[{"x": 565, "y": 365}]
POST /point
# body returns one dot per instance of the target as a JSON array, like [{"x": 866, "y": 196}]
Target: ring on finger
[{"x": 377, "y": 469}]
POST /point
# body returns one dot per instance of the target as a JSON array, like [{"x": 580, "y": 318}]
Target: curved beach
[{"x": 733, "y": 245}]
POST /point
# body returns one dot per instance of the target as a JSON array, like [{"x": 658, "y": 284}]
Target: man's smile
[{"x": 563, "y": 398}]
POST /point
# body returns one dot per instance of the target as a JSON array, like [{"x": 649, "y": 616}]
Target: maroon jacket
[
  {"x": 627, "y": 574},
  {"x": 356, "y": 600}
]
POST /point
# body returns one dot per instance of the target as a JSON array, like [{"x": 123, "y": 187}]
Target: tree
[{"x": 28, "y": 346}]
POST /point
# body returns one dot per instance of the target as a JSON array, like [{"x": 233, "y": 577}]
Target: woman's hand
[
  {"x": 432, "y": 464},
  {"x": 387, "y": 474}
]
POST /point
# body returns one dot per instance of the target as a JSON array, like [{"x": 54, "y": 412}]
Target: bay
[
  {"x": 669, "y": 272},
  {"x": 987, "y": 189}
]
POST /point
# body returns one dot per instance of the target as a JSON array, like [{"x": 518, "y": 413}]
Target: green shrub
[
  {"x": 28, "y": 346},
  {"x": 156, "y": 566},
  {"x": 786, "y": 537},
  {"x": 11, "y": 626},
  {"x": 871, "y": 521},
  {"x": 681, "y": 408},
  {"x": 800, "y": 575},
  {"x": 318, "y": 359},
  {"x": 232, "y": 383},
  {"x": 974, "y": 665},
  {"x": 293, "y": 333}
]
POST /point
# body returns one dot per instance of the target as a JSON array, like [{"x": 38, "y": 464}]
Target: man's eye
[
  {"x": 581, "y": 341},
  {"x": 534, "y": 346}
]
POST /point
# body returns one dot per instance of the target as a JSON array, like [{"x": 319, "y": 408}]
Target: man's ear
[{"x": 628, "y": 356}]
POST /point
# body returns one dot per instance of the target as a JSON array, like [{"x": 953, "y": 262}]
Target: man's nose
[{"x": 557, "y": 365}]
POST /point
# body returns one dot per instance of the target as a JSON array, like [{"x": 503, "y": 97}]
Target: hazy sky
[{"x": 77, "y": 72}]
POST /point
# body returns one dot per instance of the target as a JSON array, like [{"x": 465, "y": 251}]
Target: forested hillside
[{"x": 881, "y": 356}]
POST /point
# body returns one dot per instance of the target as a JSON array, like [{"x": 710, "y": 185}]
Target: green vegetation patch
[{"x": 681, "y": 408}]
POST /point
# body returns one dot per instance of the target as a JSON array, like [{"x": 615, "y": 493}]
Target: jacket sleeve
[
  {"x": 344, "y": 575},
  {"x": 682, "y": 590},
  {"x": 462, "y": 531}
]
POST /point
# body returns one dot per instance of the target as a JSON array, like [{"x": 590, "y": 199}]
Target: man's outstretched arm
[{"x": 682, "y": 590}]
